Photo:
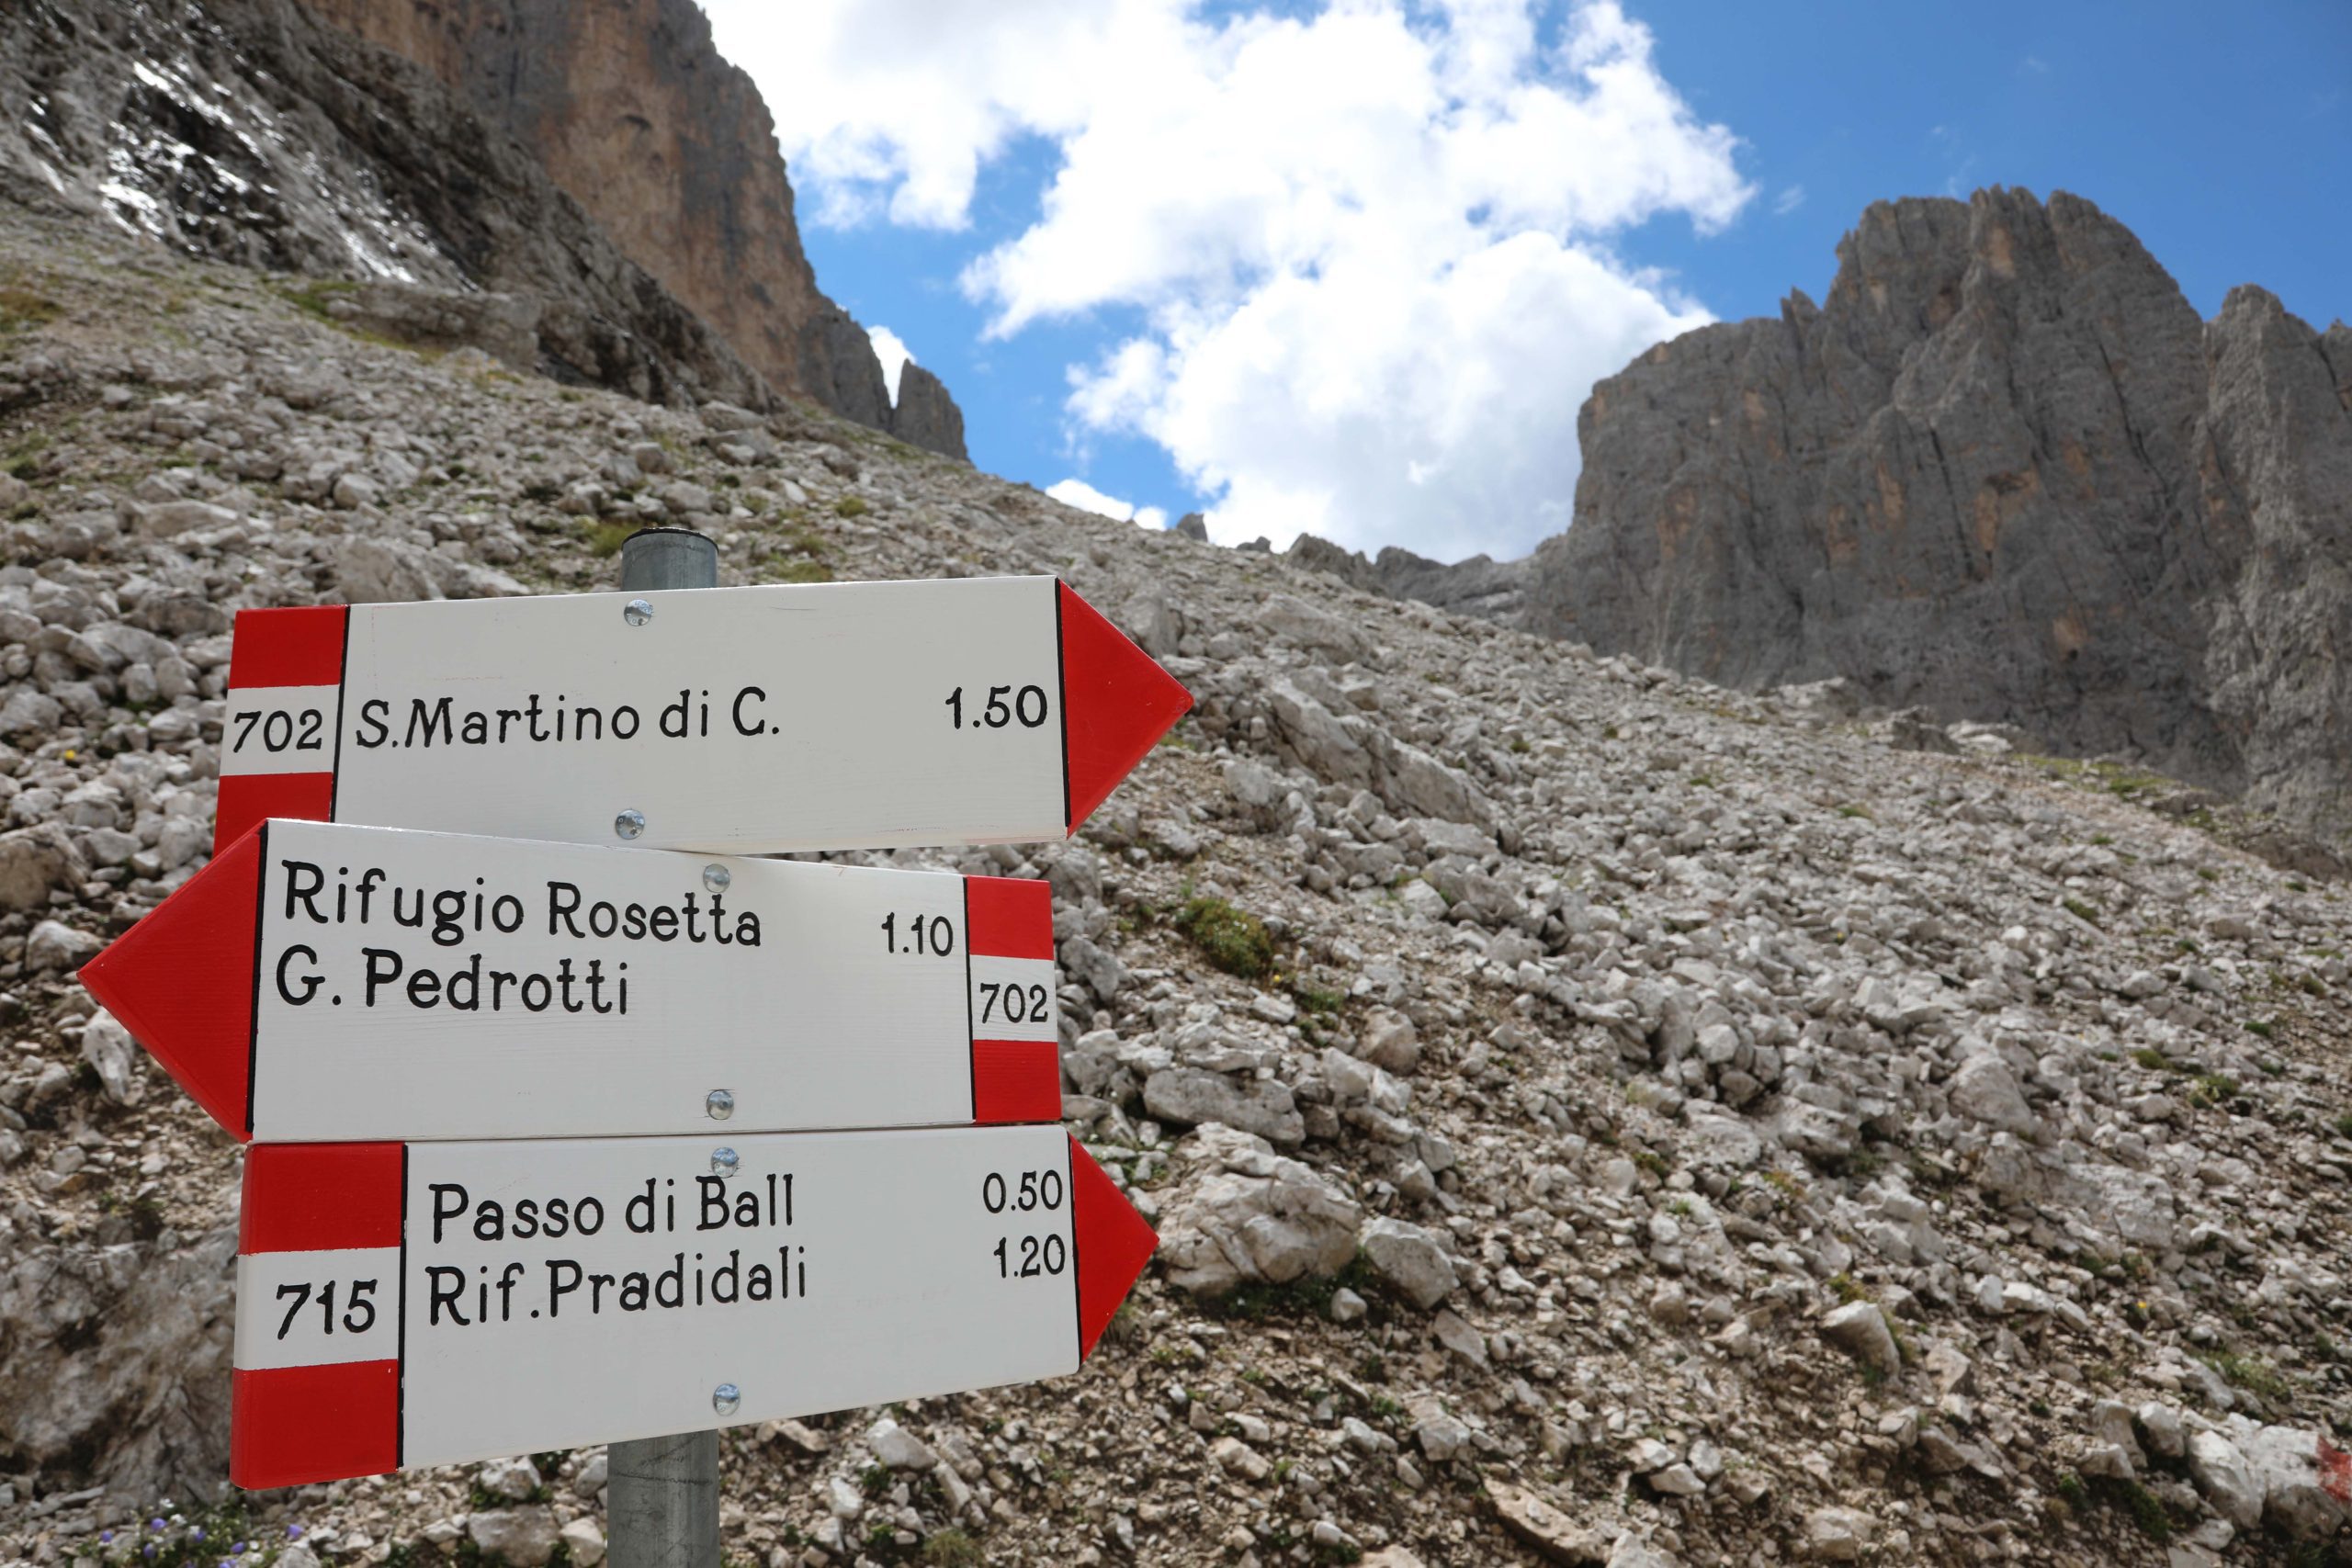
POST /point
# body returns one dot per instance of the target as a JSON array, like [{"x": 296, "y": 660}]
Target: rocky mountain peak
[
  {"x": 670, "y": 148},
  {"x": 2004, "y": 473}
]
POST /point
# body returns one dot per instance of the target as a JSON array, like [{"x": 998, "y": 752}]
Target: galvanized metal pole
[{"x": 662, "y": 1493}]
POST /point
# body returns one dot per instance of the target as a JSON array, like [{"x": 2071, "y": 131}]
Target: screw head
[
  {"x": 637, "y": 612},
  {"x": 720, "y": 1105},
  {"x": 717, "y": 878},
  {"x": 629, "y": 824},
  {"x": 726, "y": 1399},
  {"x": 723, "y": 1163}
]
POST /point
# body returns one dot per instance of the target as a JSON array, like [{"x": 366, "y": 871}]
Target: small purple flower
[
  {"x": 150, "y": 1553},
  {"x": 104, "y": 1536},
  {"x": 293, "y": 1532},
  {"x": 238, "y": 1550},
  {"x": 154, "y": 1524},
  {"x": 196, "y": 1534}
]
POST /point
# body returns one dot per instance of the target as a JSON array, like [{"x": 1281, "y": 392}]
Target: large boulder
[
  {"x": 1411, "y": 1259},
  {"x": 1190, "y": 1096},
  {"x": 1252, "y": 1216},
  {"x": 114, "y": 1361},
  {"x": 33, "y": 861}
]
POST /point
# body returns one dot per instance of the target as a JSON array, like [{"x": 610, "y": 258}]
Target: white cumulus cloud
[
  {"x": 1086, "y": 497},
  {"x": 1354, "y": 266},
  {"x": 891, "y": 350}
]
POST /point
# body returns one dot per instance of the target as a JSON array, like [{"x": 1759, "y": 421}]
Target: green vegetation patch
[
  {"x": 1304, "y": 1297},
  {"x": 606, "y": 539},
  {"x": 951, "y": 1548},
  {"x": 2249, "y": 1372},
  {"x": 21, "y": 308},
  {"x": 313, "y": 296},
  {"x": 1234, "y": 939}
]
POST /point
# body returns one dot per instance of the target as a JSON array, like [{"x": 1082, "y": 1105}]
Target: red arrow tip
[
  {"x": 1114, "y": 1244},
  {"x": 1116, "y": 704},
  {"x": 182, "y": 982}
]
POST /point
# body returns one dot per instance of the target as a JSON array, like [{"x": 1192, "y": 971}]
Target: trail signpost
[
  {"x": 562, "y": 1135},
  {"x": 437, "y": 1303},
  {"x": 318, "y": 981},
  {"x": 750, "y": 720}
]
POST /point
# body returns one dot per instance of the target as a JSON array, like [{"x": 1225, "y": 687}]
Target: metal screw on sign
[
  {"x": 637, "y": 612},
  {"x": 629, "y": 824},
  {"x": 720, "y": 1105},
  {"x": 717, "y": 878},
  {"x": 661, "y": 1503},
  {"x": 723, "y": 1163},
  {"x": 726, "y": 1398}
]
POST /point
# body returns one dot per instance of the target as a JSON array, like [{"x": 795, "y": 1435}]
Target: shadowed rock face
[
  {"x": 670, "y": 148},
  {"x": 247, "y": 131},
  {"x": 2006, "y": 473}
]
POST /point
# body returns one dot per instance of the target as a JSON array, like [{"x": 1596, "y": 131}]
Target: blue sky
[{"x": 1760, "y": 133}]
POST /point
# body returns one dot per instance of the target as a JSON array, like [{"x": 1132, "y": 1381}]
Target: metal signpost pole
[{"x": 662, "y": 1493}]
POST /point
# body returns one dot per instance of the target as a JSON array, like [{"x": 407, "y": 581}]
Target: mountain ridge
[{"x": 2003, "y": 472}]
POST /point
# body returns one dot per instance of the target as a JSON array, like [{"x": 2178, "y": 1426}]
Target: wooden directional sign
[
  {"x": 319, "y": 981},
  {"x": 863, "y": 715},
  {"x": 434, "y": 1304}
]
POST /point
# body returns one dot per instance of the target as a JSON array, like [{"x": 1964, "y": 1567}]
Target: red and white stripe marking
[
  {"x": 280, "y": 987},
  {"x": 833, "y": 715},
  {"x": 316, "y": 1406},
  {"x": 1016, "y": 1066},
  {"x": 285, "y": 668},
  {"x": 385, "y": 1321}
]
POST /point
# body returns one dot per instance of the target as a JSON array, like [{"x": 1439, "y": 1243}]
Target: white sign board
[
  {"x": 436, "y": 1303},
  {"x": 321, "y": 982},
  {"x": 863, "y": 715}
]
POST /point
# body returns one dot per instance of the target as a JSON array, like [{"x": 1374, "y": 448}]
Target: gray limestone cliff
[
  {"x": 547, "y": 223},
  {"x": 2003, "y": 472},
  {"x": 670, "y": 148},
  {"x": 247, "y": 131}
]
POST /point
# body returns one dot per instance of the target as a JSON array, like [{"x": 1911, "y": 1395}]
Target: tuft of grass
[
  {"x": 951, "y": 1548},
  {"x": 2150, "y": 1058},
  {"x": 2211, "y": 1089},
  {"x": 2252, "y": 1373},
  {"x": 851, "y": 506},
  {"x": 1303, "y": 1297},
  {"x": 20, "y": 308},
  {"x": 313, "y": 296},
  {"x": 1317, "y": 1000},
  {"x": 606, "y": 539},
  {"x": 799, "y": 568},
  {"x": 1234, "y": 939},
  {"x": 2080, "y": 910},
  {"x": 2076, "y": 1494}
]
